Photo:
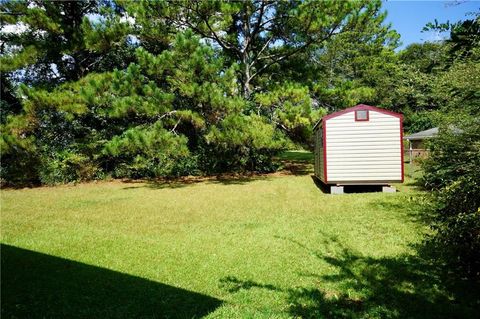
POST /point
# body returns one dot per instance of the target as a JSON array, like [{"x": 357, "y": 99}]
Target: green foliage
[
  {"x": 454, "y": 153},
  {"x": 451, "y": 172},
  {"x": 355, "y": 66},
  {"x": 46, "y": 32},
  {"x": 446, "y": 81},
  {"x": 344, "y": 94},
  {"x": 157, "y": 88},
  {"x": 154, "y": 32},
  {"x": 147, "y": 152},
  {"x": 459, "y": 87},
  {"x": 9, "y": 102},
  {"x": 257, "y": 35},
  {"x": 65, "y": 167},
  {"x": 54, "y": 42},
  {"x": 289, "y": 107},
  {"x": 109, "y": 32},
  {"x": 415, "y": 89},
  {"x": 242, "y": 143},
  {"x": 464, "y": 35},
  {"x": 425, "y": 57},
  {"x": 420, "y": 121},
  {"x": 19, "y": 156}
]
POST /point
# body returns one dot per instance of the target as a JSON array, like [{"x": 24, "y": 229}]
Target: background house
[{"x": 416, "y": 143}]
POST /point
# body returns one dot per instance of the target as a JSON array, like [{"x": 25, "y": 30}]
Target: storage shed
[{"x": 361, "y": 145}]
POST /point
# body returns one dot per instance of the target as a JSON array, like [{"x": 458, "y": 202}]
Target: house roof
[
  {"x": 422, "y": 135},
  {"x": 356, "y": 108}
]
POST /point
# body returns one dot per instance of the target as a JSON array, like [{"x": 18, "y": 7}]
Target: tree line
[{"x": 166, "y": 88}]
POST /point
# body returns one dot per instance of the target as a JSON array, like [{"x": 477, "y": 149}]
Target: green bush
[
  {"x": 67, "y": 167},
  {"x": 186, "y": 166},
  {"x": 18, "y": 168},
  {"x": 151, "y": 167},
  {"x": 18, "y": 154},
  {"x": 146, "y": 152},
  {"x": 241, "y": 143},
  {"x": 452, "y": 173},
  {"x": 216, "y": 159},
  {"x": 420, "y": 121}
]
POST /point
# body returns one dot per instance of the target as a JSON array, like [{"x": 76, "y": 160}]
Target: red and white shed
[{"x": 361, "y": 145}]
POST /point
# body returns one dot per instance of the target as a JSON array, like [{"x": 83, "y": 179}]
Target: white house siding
[{"x": 363, "y": 150}]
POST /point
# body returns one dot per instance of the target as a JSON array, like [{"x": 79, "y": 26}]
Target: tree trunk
[
  {"x": 245, "y": 50},
  {"x": 246, "y": 81}
]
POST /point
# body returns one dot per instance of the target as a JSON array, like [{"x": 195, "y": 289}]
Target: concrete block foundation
[
  {"x": 388, "y": 189},
  {"x": 336, "y": 189}
]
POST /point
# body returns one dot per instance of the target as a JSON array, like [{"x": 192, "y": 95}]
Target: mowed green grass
[{"x": 267, "y": 247}]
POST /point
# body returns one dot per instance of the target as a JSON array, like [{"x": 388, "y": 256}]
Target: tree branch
[
  {"x": 214, "y": 35},
  {"x": 301, "y": 48},
  {"x": 257, "y": 56},
  {"x": 259, "y": 20},
  {"x": 166, "y": 114},
  {"x": 175, "y": 127}
]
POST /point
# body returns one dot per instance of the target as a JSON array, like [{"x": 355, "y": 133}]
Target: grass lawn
[{"x": 266, "y": 247}]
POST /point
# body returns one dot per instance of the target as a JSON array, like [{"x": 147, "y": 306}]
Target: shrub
[
  {"x": 241, "y": 143},
  {"x": 18, "y": 154},
  {"x": 18, "y": 167},
  {"x": 145, "y": 152},
  {"x": 67, "y": 167},
  {"x": 419, "y": 121},
  {"x": 452, "y": 173}
]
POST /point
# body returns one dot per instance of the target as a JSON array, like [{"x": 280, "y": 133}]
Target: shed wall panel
[
  {"x": 319, "y": 162},
  {"x": 363, "y": 150}
]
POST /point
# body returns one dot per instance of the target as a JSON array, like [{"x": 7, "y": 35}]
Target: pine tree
[
  {"x": 52, "y": 42},
  {"x": 257, "y": 35}
]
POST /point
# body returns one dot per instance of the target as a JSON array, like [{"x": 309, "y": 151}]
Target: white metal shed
[{"x": 361, "y": 145}]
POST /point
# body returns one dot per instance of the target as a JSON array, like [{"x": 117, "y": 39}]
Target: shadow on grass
[
  {"x": 298, "y": 165},
  {"x": 291, "y": 163},
  {"x": 296, "y": 156},
  {"x": 349, "y": 189},
  {"x": 297, "y": 168},
  {"x": 320, "y": 185},
  {"x": 411, "y": 207},
  {"x": 186, "y": 181},
  {"x": 354, "y": 189},
  {"x": 36, "y": 285},
  {"x": 296, "y": 162},
  {"x": 366, "y": 287},
  {"x": 416, "y": 184}
]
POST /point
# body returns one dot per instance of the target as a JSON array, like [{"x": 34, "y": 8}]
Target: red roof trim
[{"x": 361, "y": 107}]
